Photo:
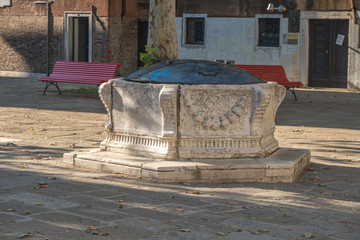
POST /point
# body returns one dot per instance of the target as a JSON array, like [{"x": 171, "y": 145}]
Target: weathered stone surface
[
  {"x": 284, "y": 165},
  {"x": 191, "y": 121},
  {"x": 208, "y": 133}
]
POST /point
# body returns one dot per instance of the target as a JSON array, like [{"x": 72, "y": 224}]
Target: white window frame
[
  {"x": 257, "y": 17},
  {"x": 67, "y": 16},
  {"x": 184, "y": 30},
  {"x": 5, "y": 3}
]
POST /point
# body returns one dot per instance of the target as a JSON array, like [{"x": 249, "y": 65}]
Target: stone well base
[{"x": 284, "y": 165}]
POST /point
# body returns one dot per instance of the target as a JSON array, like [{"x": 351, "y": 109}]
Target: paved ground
[{"x": 41, "y": 199}]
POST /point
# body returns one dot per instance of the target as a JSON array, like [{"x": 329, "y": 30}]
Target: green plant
[{"x": 148, "y": 57}]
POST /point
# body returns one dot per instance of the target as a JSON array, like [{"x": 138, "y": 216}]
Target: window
[
  {"x": 194, "y": 29},
  {"x": 269, "y": 32},
  {"x": 5, "y": 3}
]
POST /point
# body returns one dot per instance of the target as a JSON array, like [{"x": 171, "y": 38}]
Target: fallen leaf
[
  {"x": 298, "y": 130},
  {"x": 120, "y": 200},
  {"x": 275, "y": 199},
  {"x": 239, "y": 230},
  {"x": 27, "y": 213},
  {"x": 355, "y": 211},
  {"x": 24, "y": 165},
  {"x": 316, "y": 179},
  {"x": 72, "y": 145},
  {"x": 42, "y": 183},
  {"x": 40, "y": 204},
  {"x": 185, "y": 183},
  {"x": 184, "y": 230},
  {"x": 310, "y": 169},
  {"x": 263, "y": 230},
  {"x": 121, "y": 206},
  {"x": 106, "y": 234},
  {"x": 327, "y": 193},
  {"x": 10, "y": 210},
  {"x": 256, "y": 232},
  {"x": 25, "y": 235},
  {"x": 179, "y": 210},
  {"x": 94, "y": 232},
  {"x": 322, "y": 185},
  {"x": 232, "y": 203},
  {"x": 92, "y": 228},
  {"x": 221, "y": 234},
  {"x": 52, "y": 178},
  {"x": 53, "y": 144},
  {"x": 309, "y": 235},
  {"x": 144, "y": 218},
  {"x": 197, "y": 193},
  {"x": 11, "y": 144},
  {"x": 285, "y": 215}
]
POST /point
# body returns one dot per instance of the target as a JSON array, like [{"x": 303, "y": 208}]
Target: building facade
[
  {"x": 35, "y": 34},
  {"x": 317, "y": 41}
]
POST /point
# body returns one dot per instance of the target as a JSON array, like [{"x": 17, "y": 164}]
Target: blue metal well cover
[{"x": 193, "y": 72}]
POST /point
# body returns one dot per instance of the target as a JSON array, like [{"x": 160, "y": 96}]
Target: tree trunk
[{"x": 162, "y": 29}]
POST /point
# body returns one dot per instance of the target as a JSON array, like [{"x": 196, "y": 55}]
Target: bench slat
[
  {"x": 272, "y": 73},
  {"x": 275, "y": 73},
  {"x": 81, "y": 73}
]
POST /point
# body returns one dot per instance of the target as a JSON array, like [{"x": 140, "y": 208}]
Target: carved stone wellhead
[
  {"x": 192, "y": 121},
  {"x": 179, "y": 121}
]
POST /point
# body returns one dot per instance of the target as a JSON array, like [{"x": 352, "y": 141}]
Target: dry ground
[{"x": 36, "y": 130}]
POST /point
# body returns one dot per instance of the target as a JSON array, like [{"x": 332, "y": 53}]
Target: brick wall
[
  {"x": 122, "y": 46},
  {"x": 23, "y": 43},
  {"x": 23, "y": 34}
]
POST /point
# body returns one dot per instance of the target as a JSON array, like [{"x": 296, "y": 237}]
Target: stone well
[{"x": 196, "y": 121}]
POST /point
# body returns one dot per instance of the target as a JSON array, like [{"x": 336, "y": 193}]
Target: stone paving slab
[{"x": 284, "y": 165}]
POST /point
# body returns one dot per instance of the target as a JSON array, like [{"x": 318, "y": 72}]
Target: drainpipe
[
  {"x": 48, "y": 3},
  {"x": 123, "y": 9}
]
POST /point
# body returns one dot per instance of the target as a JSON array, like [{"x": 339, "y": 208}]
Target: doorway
[
  {"x": 78, "y": 38},
  {"x": 328, "y": 63}
]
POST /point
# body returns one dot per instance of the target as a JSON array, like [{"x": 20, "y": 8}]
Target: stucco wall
[
  {"x": 354, "y": 57},
  {"x": 235, "y": 39}
]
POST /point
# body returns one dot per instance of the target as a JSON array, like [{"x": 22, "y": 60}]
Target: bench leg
[
  {"x": 292, "y": 90},
  {"x": 48, "y": 83}
]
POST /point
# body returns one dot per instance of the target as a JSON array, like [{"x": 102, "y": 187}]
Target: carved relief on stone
[
  {"x": 216, "y": 109},
  {"x": 168, "y": 103},
  {"x": 262, "y": 100},
  {"x": 280, "y": 93},
  {"x": 105, "y": 92}
]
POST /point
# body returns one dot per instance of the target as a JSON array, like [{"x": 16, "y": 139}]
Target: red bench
[
  {"x": 273, "y": 73},
  {"x": 80, "y": 72}
]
